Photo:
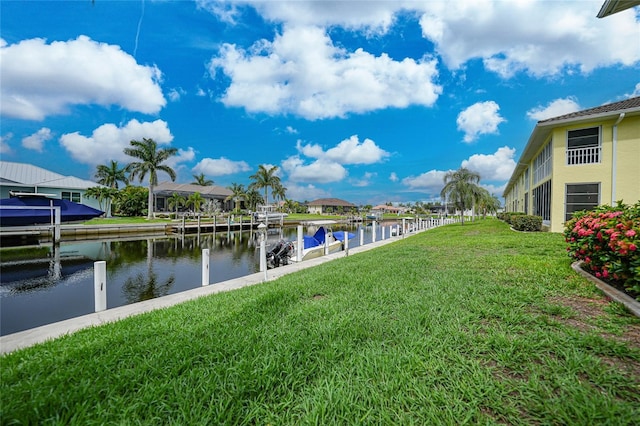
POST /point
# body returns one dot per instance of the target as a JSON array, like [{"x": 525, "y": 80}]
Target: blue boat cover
[
  {"x": 316, "y": 240},
  {"x": 69, "y": 211},
  {"x": 339, "y": 235}
]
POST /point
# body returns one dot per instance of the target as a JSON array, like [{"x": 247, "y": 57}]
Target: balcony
[{"x": 584, "y": 155}]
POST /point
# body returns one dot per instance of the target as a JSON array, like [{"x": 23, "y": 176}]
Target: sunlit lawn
[{"x": 462, "y": 324}]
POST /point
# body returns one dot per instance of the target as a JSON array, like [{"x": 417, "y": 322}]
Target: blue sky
[{"x": 368, "y": 101}]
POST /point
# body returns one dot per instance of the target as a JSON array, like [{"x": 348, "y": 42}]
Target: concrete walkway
[{"x": 23, "y": 339}]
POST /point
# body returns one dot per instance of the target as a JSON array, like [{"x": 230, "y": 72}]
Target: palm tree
[
  {"x": 253, "y": 198},
  {"x": 488, "y": 203},
  {"x": 102, "y": 194},
  {"x": 109, "y": 175},
  {"x": 265, "y": 178},
  {"x": 279, "y": 192},
  {"x": 176, "y": 201},
  {"x": 238, "y": 193},
  {"x": 151, "y": 161},
  {"x": 461, "y": 188},
  {"x": 201, "y": 180},
  {"x": 195, "y": 200}
]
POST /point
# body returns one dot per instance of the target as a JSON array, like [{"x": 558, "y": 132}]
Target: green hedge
[
  {"x": 526, "y": 223},
  {"x": 521, "y": 221}
]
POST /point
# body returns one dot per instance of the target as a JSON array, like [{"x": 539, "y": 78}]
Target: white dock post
[
  {"x": 56, "y": 226},
  {"x": 346, "y": 243},
  {"x": 404, "y": 227},
  {"x": 373, "y": 231},
  {"x": 263, "y": 258},
  {"x": 205, "y": 267},
  {"x": 382, "y": 227},
  {"x": 361, "y": 237},
  {"x": 300, "y": 245},
  {"x": 326, "y": 245},
  {"x": 100, "y": 285}
]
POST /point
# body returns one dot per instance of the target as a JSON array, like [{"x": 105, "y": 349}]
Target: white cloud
[
  {"x": 364, "y": 181},
  {"x": 319, "y": 171},
  {"x": 291, "y": 130},
  {"x": 302, "y": 72},
  {"x": 496, "y": 190},
  {"x": 352, "y": 151},
  {"x": 220, "y": 166},
  {"x": 554, "y": 108},
  {"x": 636, "y": 92},
  {"x": 5, "y": 148},
  {"x": 506, "y": 35},
  {"x": 304, "y": 192},
  {"x": 509, "y": 38},
  {"x": 108, "y": 141},
  {"x": 348, "y": 151},
  {"x": 479, "y": 119},
  {"x": 183, "y": 156},
  {"x": 40, "y": 79},
  {"x": 176, "y": 93},
  {"x": 36, "y": 141},
  {"x": 430, "y": 182},
  {"x": 497, "y": 166},
  {"x": 393, "y": 177}
]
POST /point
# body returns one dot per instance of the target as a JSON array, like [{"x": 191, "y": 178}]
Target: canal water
[{"x": 45, "y": 284}]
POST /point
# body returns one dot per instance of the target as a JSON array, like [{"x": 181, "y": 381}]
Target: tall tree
[
  {"x": 461, "y": 188},
  {"x": 110, "y": 174},
  {"x": 238, "y": 193},
  {"x": 201, "y": 180},
  {"x": 150, "y": 162},
  {"x": 176, "y": 201},
  {"x": 253, "y": 199},
  {"x": 195, "y": 200},
  {"x": 488, "y": 203},
  {"x": 279, "y": 191},
  {"x": 264, "y": 179}
]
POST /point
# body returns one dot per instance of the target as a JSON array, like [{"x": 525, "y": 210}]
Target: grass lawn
[
  {"x": 462, "y": 324},
  {"x": 128, "y": 220}
]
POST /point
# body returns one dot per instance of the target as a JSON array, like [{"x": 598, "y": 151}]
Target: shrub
[
  {"x": 606, "y": 239},
  {"x": 526, "y": 223}
]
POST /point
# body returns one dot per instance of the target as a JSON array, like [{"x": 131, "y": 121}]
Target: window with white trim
[
  {"x": 583, "y": 146},
  {"x": 71, "y": 196},
  {"x": 580, "y": 196}
]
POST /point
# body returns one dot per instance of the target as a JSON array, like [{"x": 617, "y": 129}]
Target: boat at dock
[
  {"x": 324, "y": 241},
  {"x": 32, "y": 208}
]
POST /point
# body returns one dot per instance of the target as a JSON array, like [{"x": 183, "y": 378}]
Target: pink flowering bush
[{"x": 607, "y": 240}]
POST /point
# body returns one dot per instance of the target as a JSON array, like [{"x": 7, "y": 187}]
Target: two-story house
[{"x": 578, "y": 161}]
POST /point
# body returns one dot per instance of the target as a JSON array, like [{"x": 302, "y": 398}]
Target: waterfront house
[
  {"x": 164, "y": 190},
  {"x": 27, "y": 178},
  {"x": 330, "y": 205},
  {"x": 578, "y": 161}
]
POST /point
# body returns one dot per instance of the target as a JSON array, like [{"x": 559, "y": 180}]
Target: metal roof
[{"x": 22, "y": 174}]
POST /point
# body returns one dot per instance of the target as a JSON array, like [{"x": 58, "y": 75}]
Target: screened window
[
  {"x": 542, "y": 201},
  {"x": 581, "y": 196},
  {"x": 583, "y": 146},
  {"x": 71, "y": 196},
  {"x": 542, "y": 165}
]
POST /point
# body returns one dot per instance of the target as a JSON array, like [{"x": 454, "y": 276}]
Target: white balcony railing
[{"x": 588, "y": 155}]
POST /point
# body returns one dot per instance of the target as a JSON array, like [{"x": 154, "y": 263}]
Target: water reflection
[{"x": 44, "y": 284}]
